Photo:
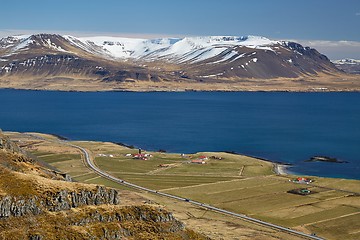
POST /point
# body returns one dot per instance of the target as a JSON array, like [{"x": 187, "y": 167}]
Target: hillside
[
  {"x": 37, "y": 202},
  {"x": 50, "y": 61}
]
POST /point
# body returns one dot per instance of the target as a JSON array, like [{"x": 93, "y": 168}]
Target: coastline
[
  {"x": 281, "y": 169},
  {"x": 180, "y": 90},
  {"x": 277, "y": 167},
  {"x": 271, "y": 190}
]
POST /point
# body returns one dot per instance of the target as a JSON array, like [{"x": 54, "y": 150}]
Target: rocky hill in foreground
[
  {"x": 50, "y": 61},
  {"x": 38, "y": 203}
]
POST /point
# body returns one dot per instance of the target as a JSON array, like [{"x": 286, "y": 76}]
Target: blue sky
[{"x": 304, "y": 20}]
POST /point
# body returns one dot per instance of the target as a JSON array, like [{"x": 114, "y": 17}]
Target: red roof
[
  {"x": 197, "y": 161},
  {"x": 302, "y": 179}
]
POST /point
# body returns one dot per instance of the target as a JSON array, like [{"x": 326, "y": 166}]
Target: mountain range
[
  {"x": 348, "y": 65},
  {"x": 51, "y": 61}
]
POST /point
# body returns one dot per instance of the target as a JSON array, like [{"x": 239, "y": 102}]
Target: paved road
[{"x": 90, "y": 164}]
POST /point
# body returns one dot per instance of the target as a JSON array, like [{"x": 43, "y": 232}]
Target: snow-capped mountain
[
  {"x": 347, "y": 61},
  {"x": 348, "y": 65},
  {"x": 200, "y": 59},
  {"x": 179, "y": 50}
]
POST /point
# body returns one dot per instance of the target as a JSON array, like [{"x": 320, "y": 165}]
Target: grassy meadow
[{"x": 232, "y": 182}]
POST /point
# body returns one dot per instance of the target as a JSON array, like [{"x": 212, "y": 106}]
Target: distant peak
[{"x": 347, "y": 61}]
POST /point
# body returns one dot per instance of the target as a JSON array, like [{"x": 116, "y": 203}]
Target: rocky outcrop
[
  {"x": 56, "y": 201},
  {"x": 36, "y": 208},
  {"x": 17, "y": 207},
  {"x": 131, "y": 213},
  {"x": 103, "y": 222},
  {"x": 7, "y": 145},
  {"x": 65, "y": 200}
]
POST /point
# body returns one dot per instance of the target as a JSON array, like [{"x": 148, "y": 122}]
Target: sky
[{"x": 332, "y": 25}]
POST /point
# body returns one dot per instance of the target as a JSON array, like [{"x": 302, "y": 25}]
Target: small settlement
[{"x": 139, "y": 156}]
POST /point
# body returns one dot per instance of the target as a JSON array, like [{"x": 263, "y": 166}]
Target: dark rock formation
[
  {"x": 58, "y": 201},
  {"x": 325, "y": 159},
  {"x": 36, "y": 208},
  {"x": 17, "y": 206}
]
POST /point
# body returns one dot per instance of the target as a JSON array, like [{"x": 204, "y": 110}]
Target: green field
[{"x": 236, "y": 183}]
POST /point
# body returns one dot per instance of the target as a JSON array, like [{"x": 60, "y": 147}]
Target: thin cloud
[
  {"x": 357, "y": 14},
  {"x": 324, "y": 43},
  {"x": 334, "y": 49}
]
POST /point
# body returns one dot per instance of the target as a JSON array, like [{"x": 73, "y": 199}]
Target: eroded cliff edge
[{"x": 40, "y": 203}]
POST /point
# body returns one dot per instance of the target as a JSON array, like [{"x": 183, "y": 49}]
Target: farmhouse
[
  {"x": 302, "y": 180},
  {"x": 203, "y": 158},
  {"x": 142, "y": 156},
  {"x": 198, "y": 161}
]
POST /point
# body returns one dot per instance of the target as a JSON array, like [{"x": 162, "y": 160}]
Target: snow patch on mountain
[
  {"x": 188, "y": 50},
  {"x": 24, "y": 43},
  {"x": 347, "y": 61},
  {"x": 53, "y": 45},
  {"x": 12, "y": 40},
  {"x": 177, "y": 50}
]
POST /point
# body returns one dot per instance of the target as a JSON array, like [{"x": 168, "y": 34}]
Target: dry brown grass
[
  {"x": 321, "y": 82},
  {"x": 85, "y": 223},
  {"x": 22, "y": 179}
]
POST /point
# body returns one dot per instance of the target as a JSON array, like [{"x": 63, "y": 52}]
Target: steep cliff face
[
  {"x": 37, "y": 204},
  {"x": 55, "y": 201}
]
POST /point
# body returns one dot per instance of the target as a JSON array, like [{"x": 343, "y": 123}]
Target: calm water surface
[{"x": 286, "y": 127}]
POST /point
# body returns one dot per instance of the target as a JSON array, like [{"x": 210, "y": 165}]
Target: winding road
[
  {"x": 91, "y": 165},
  {"x": 89, "y": 162}
]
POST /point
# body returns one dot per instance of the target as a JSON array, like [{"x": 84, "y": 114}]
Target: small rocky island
[{"x": 325, "y": 159}]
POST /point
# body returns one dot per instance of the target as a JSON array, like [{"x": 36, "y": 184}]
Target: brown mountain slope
[
  {"x": 37, "y": 203},
  {"x": 48, "y": 61}
]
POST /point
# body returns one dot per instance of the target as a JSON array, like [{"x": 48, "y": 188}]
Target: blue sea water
[{"x": 279, "y": 126}]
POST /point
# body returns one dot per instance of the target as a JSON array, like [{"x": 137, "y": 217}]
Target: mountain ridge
[{"x": 112, "y": 61}]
